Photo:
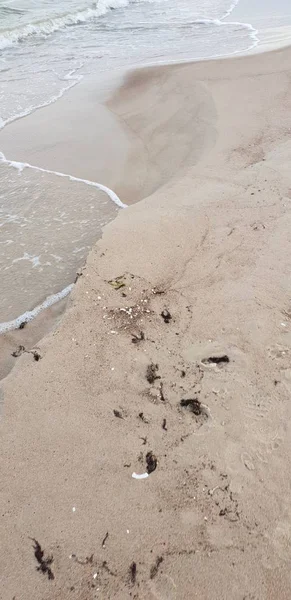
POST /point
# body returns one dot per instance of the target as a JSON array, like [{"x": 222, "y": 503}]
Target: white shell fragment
[{"x": 141, "y": 476}]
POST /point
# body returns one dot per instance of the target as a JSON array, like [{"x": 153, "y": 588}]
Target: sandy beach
[{"x": 171, "y": 361}]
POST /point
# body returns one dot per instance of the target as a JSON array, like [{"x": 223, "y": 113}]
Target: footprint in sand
[
  {"x": 263, "y": 444},
  {"x": 265, "y": 425},
  {"x": 278, "y": 352},
  {"x": 268, "y": 447},
  {"x": 280, "y": 540},
  {"x": 286, "y": 378},
  {"x": 200, "y": 353},
  {"x": 258, "y": 408},
  {"x": 163, "y": 588},
  {"x": 247, "y": 461},
  {"x": 212, "y": 355}
]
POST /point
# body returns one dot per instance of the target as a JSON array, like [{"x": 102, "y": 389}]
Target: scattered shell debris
[
  {"x": 211, "y": 492},
  {"x": 158, "y": 291},
  {"x": 126, "y": 316},
  {"x": 140, "y": 476}
]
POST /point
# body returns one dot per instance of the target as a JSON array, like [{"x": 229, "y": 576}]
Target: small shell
[{"x": 141, "y": 476}]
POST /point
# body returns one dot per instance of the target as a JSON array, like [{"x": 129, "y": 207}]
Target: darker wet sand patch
[{"x": 24, "y": 339}]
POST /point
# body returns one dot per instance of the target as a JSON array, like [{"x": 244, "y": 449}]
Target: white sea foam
[
  {"x": 50, "y": 25},
  {"x": 253, "y": 34},
  {"x": 31, "y": 314},
  {"x": 20, "y": 166},
  {"x": 221, "y": 23},
  {"x": 51, "y": 100},
  {"x": 36, "y": 24},
  {"x": 231, "y": 8}
]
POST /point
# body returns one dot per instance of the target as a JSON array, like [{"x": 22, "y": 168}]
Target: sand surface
[{"x": 211, "y": 245}]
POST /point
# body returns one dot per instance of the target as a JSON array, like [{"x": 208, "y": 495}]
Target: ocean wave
[
  {"x": 161, "y": 26},
  {"x": 71, "y": 76},
  {"x": 31, "y": 314},
  {"x": 231, "y": 8},
  {"x": 47, "y": 26},
  {"x": 10, "y": 10},
  {"x": 20, "y": 166}
]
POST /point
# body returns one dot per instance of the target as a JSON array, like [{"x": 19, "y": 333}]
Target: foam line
[
  {"x": 253, "y": 35},
  {"x": 231, "y": 8},
  {"x": 48, "y": 25},
  {"x": 31, "y": 314},
  {"x": 52, "y": 100},
  {"x": 20, "y": 166}
]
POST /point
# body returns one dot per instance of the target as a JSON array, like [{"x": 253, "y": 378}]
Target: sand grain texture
[{"x": 213, "y": 247}]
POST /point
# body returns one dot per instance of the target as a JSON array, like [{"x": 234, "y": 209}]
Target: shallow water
[
  {"x": 58, "y": 44},
  {"x": 48, "y": 225},
  {"x": 271, "y": 19}
]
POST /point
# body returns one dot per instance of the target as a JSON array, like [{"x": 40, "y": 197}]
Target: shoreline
[
  {"x": 106, "y": 82},
  {"x": 138, "y": 148},
  {"x": 109, "y": 93},
  {"x": 21, "y": 321},
  {"x": 203, "y": 316}
]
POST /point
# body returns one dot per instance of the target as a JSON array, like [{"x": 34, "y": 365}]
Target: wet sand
[
  {"x": 108, "y": 133},
  {"x": 212, "y": 247},
  {"x": 97, "y": 136},
  {"x": 28, "y": 336},
  {"x": 101, "y": 133}
]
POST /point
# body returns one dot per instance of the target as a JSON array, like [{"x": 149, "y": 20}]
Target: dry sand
[{"x": 212, "y": 245}]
